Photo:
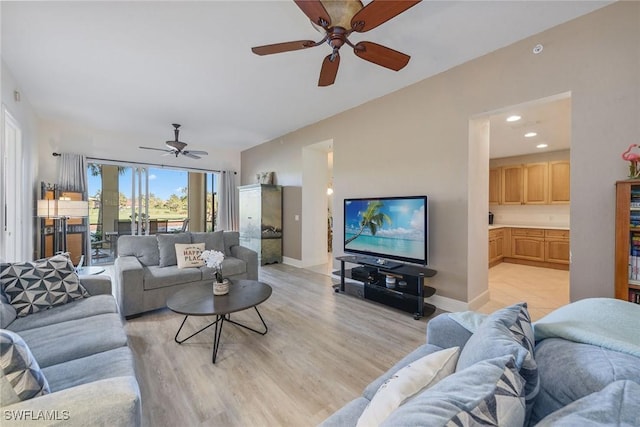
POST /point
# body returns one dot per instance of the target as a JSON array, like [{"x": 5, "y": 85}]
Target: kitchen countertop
[{"x": 546, "y": 227}]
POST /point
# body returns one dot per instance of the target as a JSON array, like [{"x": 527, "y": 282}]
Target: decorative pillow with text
[{"x": 188, "y": 254}]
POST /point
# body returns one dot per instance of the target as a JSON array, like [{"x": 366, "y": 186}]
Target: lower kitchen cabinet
[
  {"x": 556, "y": 246},
  {"x": 496, "y": 246},
  {"x": 532, "y": 246}
]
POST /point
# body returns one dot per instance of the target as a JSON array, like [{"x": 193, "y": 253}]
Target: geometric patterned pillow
[
  {"x": 506, "y": 332},
  {"x": 21, "y": 376},
  {"x": 488, "y": 393},
  {"x": 39, "y": 285}
]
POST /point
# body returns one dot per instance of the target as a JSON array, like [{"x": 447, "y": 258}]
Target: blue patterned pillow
[
  {"x": 506, "y": 332},
  {"x": 489, "y": 393},
  {"x": 21, "y": 377},
  {"x": 39, "y": 285}
]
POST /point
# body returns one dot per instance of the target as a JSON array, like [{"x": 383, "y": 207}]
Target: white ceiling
[
  {"x": 550, "y": 119},
  {"x": 137, "y": 67}
]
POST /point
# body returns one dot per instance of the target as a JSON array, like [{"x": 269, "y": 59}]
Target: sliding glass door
[{"x": 146, "y": 200}]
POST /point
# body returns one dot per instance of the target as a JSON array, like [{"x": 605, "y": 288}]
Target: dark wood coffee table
[{"x": 198, "y": 300}]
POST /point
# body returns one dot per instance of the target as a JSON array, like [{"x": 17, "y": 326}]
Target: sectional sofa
[
  {"x": 79, "y": 349},
  {"x": 577, "y": 366}
]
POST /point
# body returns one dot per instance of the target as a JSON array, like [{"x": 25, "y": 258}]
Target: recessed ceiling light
[
  {"x": 513, "y": 118},
  {"x": 541, "y": 146},
  {"x": 530, "y": 134}
]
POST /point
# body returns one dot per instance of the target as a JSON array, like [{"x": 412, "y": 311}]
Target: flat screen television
[{"x": 395, "y": 228}]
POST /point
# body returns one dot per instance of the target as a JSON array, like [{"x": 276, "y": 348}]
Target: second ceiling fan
[
  {"x": 177, "y": 147},
  {"x": 338, "y": 19}
]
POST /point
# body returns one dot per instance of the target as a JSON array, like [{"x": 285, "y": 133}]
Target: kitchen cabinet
[
  {"x": 559, "y": 182},
  {"x": 530, "y": 184},
  {"x": 527, "y": 244},
  {"x": 494, "y": 185},
  {"x": 496, "y": 246},
  {"x": 512, "y": 178},
  {"x": 536, "y": 183},
  {"x": 556, "y": 246}
]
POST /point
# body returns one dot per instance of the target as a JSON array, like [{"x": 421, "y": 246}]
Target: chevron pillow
[{"x": 39, "y": 285}]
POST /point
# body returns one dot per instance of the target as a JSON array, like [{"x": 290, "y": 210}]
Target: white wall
[
  {"x": 314, "y": 204},
  {"x": 59, "y": 136},
  {"x": 24, "y": 114}
]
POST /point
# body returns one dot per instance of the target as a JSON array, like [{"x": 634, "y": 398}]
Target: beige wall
[{"x": 416, "y": 141}]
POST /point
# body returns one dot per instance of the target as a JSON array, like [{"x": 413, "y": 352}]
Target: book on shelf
[{"x": 634, "y": 296}]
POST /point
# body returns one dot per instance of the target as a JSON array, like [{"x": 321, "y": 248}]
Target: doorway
[
  {"x": 535, "y": 134},
  {"x": 317, "y": 204},
  {"x": 11, "y": 198}
]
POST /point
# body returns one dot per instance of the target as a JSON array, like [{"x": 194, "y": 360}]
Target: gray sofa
[
  {"x": 146, "y": 272},
  {"x": 81, "y": 348},
  {"x": 582, "y": 371}
]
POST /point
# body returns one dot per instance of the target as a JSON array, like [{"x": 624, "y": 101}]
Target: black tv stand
[
  {"x": 409, "y": 297},
  {"x": 380, "y": 262}
]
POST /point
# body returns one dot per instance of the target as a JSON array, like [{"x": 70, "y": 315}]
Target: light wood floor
[
  {"x": 543, "y": 289},
  {"x": 321, "y": 350}
]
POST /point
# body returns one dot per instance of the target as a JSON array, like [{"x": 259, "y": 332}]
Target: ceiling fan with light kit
[
  {"x": 177, "y": 147},
  {"x": 338, "y": 19}
]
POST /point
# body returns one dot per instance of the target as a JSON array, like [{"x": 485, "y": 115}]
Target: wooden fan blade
[
  {"x": 315, "y": 11},
  {"x": 193, "y": 156},
  {"x": 329, "y": 70},
  {"x": 157, "y": 149},
  {"x": 282, "y": 47},
  {"x": 381, "y": 55},
  {"x": 378, "y": 12},
  {"x": 202, "y": 153}
]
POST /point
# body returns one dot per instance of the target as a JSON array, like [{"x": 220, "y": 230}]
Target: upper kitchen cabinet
[
  {"x": 494, "y": 185},
  {"x": 559, "y": 178},
  {"x": 539, "y": 183},
  {"x": 511, "y": 183},
  {"x": 536, "y": 183}
]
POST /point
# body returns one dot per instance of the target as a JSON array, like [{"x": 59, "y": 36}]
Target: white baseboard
[
  {"x": 292, "y": 262},
  {"x": 447, "y": 304},
  {"x": 479, "y": 301}
]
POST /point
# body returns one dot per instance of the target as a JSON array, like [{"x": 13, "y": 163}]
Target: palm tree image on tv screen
[{"x": 386, "y": 227}]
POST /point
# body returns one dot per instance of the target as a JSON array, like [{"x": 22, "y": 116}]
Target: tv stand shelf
[{"x": 409, "y": 298}]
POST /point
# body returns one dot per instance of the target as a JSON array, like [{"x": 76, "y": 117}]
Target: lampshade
[
  {"x": 73, "y": 208},
  {"x": 57, "y": 208},
  {"x": 48, "y": 208},
  {"x": 340, "y": 13}
]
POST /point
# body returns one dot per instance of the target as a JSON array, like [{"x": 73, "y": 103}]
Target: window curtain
[
  {"x": 227, "y": 209},
  {"x": 72, "y": 173}
]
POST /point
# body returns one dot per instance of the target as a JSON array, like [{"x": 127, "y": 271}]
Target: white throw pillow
[
  {"x": 407, "y": 382},
  {"x": 188, "y": 255}
]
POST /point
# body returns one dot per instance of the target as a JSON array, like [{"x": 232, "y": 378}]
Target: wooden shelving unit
[{"x": 627, "y": 253}]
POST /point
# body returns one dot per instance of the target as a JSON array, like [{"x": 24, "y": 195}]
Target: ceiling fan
[
  {"x": 338, "y": 19},
  {"x": 178, "y": 147}
]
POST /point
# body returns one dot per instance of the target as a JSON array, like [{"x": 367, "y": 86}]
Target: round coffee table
[{"x": 198, "y": 300}]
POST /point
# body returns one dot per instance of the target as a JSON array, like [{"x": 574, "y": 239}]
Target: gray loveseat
[
  {"x": 81, "y": 348},
  {"x": 582, "y": 371},
  {"x": 146, "y": 270}
]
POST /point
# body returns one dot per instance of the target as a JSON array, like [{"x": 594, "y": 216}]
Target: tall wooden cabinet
[
  {"x": 261, "y": 221},
  {"x": 50, "y": 229},
  {"x": 627, "y": 249}
]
